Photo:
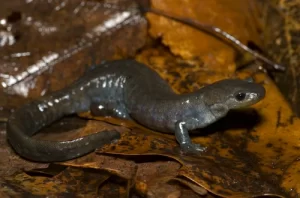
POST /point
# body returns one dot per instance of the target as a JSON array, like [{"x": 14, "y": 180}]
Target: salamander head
[{"x": 229, "y": 94}]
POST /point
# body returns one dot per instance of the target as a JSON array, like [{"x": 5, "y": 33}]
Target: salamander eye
[{"x": 240, "y": 96}]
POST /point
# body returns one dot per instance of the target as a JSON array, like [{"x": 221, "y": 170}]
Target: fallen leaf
[
  {"x": 189, "y": 43},
  {"x": 250, "y": 153},
  {"x": 59, "y": 42},
  {"x": 70, "y": 182}
]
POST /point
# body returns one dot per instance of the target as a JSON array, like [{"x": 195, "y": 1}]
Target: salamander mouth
[
  {"x": 253, "y": 96},
  {"x": 253, "y": 99},
  {"x": 256, "y": 97}
]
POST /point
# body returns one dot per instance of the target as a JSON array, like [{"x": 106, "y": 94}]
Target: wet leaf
[
  {"x": 156, "y": 179},
  {"x": 59, "y": 41},
  {"x": 123, "y": 168},
  {"x": 152, "y": 179},
  {"x": 51, "y": 170}
]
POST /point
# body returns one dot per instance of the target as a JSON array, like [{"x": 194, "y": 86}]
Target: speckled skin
[{"x": 129, "y": 90}]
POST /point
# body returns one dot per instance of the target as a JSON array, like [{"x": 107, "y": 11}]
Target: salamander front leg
[{"x": 183, "y": 138}]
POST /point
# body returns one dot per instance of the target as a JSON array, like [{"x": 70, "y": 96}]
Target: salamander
[{"x": 129, "y": 90}]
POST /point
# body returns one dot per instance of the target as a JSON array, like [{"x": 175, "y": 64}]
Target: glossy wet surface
[{"x": 260, "y": 145}]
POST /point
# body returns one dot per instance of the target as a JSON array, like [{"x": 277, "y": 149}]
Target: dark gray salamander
[{"x": 129, "y": 90}]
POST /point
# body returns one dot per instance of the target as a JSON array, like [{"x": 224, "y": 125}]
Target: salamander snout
[
  {"x": 246, "y": 94},
  {"x": 234, "y": 93}
]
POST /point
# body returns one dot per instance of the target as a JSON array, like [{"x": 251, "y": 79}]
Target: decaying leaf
[{"x": 70, "y": 182}]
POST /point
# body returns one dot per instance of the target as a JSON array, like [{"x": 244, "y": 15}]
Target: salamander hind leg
[{"x": 183, "y": 138}]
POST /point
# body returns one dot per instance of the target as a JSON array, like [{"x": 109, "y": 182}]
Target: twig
[{"x": 221, "y": 34}]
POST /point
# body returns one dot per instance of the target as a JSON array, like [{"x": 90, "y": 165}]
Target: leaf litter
[{"x": 251, "y": 153}]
